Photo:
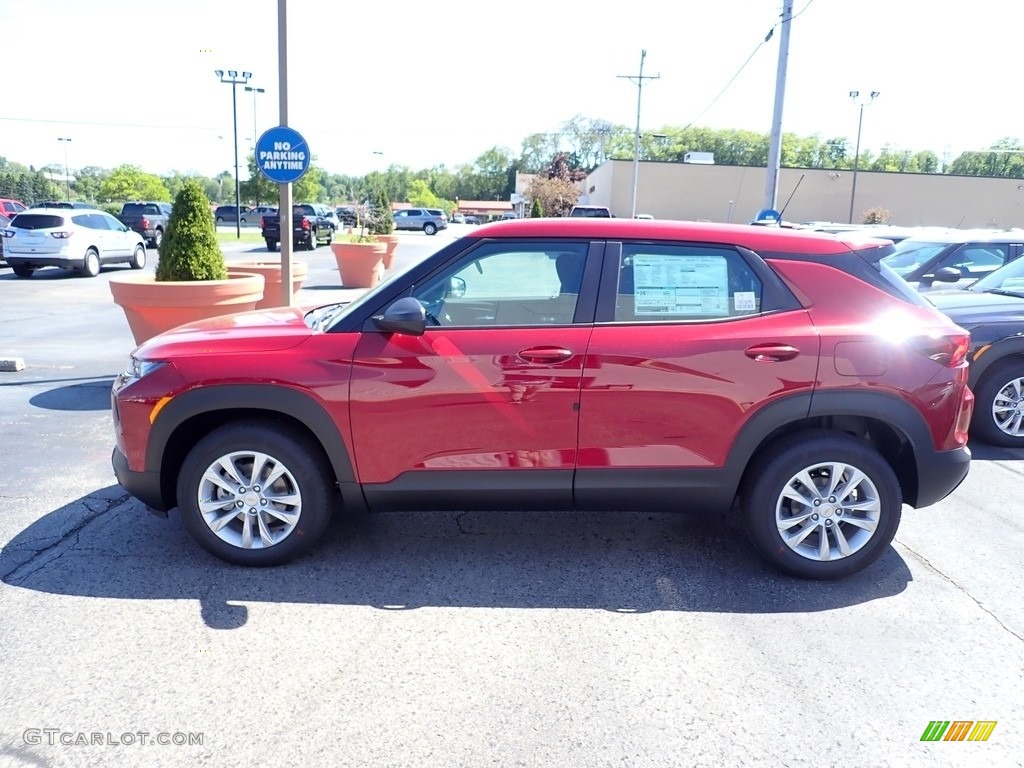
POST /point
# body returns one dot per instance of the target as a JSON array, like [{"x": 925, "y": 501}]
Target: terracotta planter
[
  {"x": 152, "y": 308},
  {"x": 271, "y": 271},
  {"x": 361, "y": 264},
  {"x": 389, "y": 255}
]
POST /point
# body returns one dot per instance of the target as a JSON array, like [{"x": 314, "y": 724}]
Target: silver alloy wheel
[
  {"x": 249, "y": 500},
  {"x": 828, "y": 511},
  {"x": 1008, "y": 408}
]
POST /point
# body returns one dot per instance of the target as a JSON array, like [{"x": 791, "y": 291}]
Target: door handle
[
  {"x": 545, "y": 354},
  {"x": 771, "y": 353}
]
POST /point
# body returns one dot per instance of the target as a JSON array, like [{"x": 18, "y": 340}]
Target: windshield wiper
[{"x": 1004, "y": 292}]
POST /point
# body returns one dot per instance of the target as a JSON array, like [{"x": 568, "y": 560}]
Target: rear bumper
[
  {"x": 144, "y": 486},
  {"x": 940, "y": 473},
  {"x": 42, "y": 260}
]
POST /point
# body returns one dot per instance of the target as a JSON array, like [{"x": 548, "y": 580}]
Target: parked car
[
  {"x": 228, "y": 214},
  {"x": 253, "y": 216},
  {"x": 458, "y": 218},
  {"x": 567, "y": 364},
  {"x": 992, "y": 309},
  {"x": 330, "y": 215},
  {"x": 590, "y": 212},
  {"x": 309, "y": 228},
  {"x": 470, "y": 219},
  {"x": 10, "y": 207},
  {"x": 347, "y": 215},
  {"x": 149, "y": 219},
  {"x": 428, "y": 220},
  {"x": 956, "y": 258},
  {"x": 79, "y": 239}
]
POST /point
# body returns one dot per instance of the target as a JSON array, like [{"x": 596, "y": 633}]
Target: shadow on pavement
[
  {"x": 985, "y": 452},
  {"x": 87, "y": 396},
  {"x": 106, "y": 545}
]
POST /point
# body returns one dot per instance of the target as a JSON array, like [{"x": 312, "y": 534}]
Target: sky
[{"x": 423, "y": 84}]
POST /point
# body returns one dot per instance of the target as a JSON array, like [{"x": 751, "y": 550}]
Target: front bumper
[{"x": 144, "y": 486}]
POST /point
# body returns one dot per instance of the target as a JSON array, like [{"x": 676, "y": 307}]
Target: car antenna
[{"x": 791, "y": 196}]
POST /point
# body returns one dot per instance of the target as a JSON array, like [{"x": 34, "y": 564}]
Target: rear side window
[
  {"x": 37, "y": 221},
  {"x": 152, "y": 210},
  {"x": 683, "y": 282}
]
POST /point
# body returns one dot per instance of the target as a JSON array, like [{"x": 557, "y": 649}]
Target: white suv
[
  {"x": 78, "y": 239},
  {"x": 428, "y": 220}
]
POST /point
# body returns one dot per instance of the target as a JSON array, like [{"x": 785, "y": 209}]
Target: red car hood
[{"x": 260, "y": 331}]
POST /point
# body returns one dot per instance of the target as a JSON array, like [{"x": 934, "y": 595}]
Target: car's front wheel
[
  {"x": 430, "y": 229},
  {"x": 999, "y": 404},
  {"x": 138, "y": 258},
  {"x": 821, "y": 505},
  {"x": 255, "y": 494}
]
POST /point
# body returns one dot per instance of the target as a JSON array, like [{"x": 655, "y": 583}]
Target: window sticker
[
  {"x": 745, "y": 301},
  {"x": 681, "y": 285}
]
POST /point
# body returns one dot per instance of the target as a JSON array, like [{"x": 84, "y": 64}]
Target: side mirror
[
  {"x": 457, "y": 288},
  {"x": 406, "y": 316},
  {"x": 948, "y": 275}
]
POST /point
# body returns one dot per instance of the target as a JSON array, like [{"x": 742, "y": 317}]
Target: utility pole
[
  {"x": 771, "y": 186},
  {"x": 639, "y": 80}
]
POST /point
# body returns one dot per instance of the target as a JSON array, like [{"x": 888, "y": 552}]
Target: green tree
[
  {"x": 537, "y": 209},
  {"x": 190, "y": 250},
  {"x": 258, "y": 188},
  {"x": 308, "y": 189},
  {"x": 127, "y": 182},
  {"x": 383, "y": 220}
]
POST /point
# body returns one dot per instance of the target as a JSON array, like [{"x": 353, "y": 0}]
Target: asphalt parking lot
[{"x": 473, "y": 639}]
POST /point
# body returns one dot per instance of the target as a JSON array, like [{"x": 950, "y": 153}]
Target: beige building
[{"x": 736, "y": 193}]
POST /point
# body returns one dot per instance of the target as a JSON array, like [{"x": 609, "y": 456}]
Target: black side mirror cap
[{"x": 406, "y": 316}]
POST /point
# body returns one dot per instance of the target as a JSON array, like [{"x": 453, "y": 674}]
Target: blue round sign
[
  {"x": 282, "y": 155},
  {"x": 768, "y": 215}
]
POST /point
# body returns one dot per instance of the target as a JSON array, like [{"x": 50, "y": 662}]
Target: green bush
[
  {"x": 114, "y": 209},
  {"x": 190, "y": 250},
  {"x": 537, "y": 211},
  {"x": 383, "y": 220}
]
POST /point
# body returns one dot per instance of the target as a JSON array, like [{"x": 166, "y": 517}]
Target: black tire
[
  {"x": 308, "y": 474},
  {"x": 220, "y": 219},
  {"x": 91, "y": 263},
  {"x": 22, "y": 271},
  {"x": 330, "y": 236},
  {"x": 312, "y": 243},
  {"x": 271, "y": 244},
  {"x": 999, "y": 377},
  {"x": 138, "y": 260},
  {"x": 158, "y": 237},
  {"x": 430, "y": 228},
  {"x": 762, "y": 495}
]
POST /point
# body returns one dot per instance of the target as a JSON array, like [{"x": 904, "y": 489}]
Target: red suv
[{"x": 567, "y": 364}]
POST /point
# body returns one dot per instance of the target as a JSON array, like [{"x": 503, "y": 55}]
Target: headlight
[{"x": 139, "y": 368}]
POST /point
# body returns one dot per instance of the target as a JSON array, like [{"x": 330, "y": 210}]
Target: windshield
[
  {"x": 1009, "y": 278},
  {"x": 911, "y": 255}
]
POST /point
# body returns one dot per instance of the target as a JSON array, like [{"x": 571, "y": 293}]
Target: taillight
[
  {"x": 263, "y": 222},
  {"x": 60, "y": 235},
  {"x": 305, "y": 223},
  {"x": 145, "y": 223},
  {"x": 949, "y": 350}
]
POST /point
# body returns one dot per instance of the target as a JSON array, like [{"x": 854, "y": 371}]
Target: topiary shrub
[
  {"x": 537, "y": 210},
  {"x": 190, "y": 250},
  {"x": 383, "y": 220}
]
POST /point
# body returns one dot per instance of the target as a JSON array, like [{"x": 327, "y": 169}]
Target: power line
[{"x": 110, "y": 125}]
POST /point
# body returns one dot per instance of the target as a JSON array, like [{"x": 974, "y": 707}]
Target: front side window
[
  {"x": 519, "y": 285},
  {"x": 659, "y": 283}
]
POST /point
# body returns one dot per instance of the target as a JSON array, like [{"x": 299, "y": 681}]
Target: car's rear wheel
[
  {"x": 138, "y": 258},
  {"x": 91, "y": 263},
  {"x": 22, "y": 271},
  {"x": 255, "y": 494},
  {"x": 999, "y": 404},
  {"x": 430, "y": 228},
  {"x": 821, "y": 505},
  {"x": 158, "y": 237},
  {"x": 271, "y": 244}
]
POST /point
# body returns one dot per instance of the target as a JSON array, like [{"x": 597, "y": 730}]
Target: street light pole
[
  {"x": 67, "y": 176},
  {"x": 233, "y": 78},
  {"x": 639, "y": 80},
  {"x": 255, "y": 135},
  {"x": 856, "y": 154}
]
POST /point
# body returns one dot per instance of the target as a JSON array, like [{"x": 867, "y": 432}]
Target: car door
[
  {"x": 481, "y": 409},
  {"x": 121, "y": 240},
  {"x": 99, "y": 234},
  {"x": 686, "y": 338}
]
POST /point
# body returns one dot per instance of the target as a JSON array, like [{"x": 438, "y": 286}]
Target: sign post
[{"x": 282, "y": 155}]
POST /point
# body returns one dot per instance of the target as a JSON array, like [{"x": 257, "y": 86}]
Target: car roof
[
  {"x": 956, "y": 236},
  {"x": 753, "y": 237}
]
